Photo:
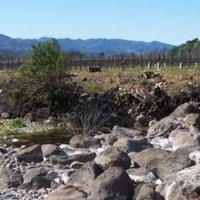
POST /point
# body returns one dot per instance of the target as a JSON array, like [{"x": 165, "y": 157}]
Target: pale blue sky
[{"x": 171, "y": 21}]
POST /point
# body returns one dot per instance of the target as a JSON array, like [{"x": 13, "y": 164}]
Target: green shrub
[
  {"x": 11, "y": 126},
  {"x": 16, "y": 123},
  {"x": 46, "y": 62},
  {"x": 43, "y": 82}
]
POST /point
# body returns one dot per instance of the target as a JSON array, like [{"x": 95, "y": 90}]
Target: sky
[{"x": 170, "y": 21}]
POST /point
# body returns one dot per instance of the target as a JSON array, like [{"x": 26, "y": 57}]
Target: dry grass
[
  {"x": 112, "y": 77},
  {"x": 6, "y": 75},
  {"x": 98, "y": 82}
]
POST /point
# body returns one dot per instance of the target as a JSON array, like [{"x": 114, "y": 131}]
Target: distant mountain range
[{"x": 91, "y": 46}]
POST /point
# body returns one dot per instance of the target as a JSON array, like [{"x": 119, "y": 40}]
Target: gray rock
[
  {"x": 124, "y": 132},
  {"x": 35, "y": 179},
  {"x": 113, "y": 156},
  {"x": 81, "y": 141},
  {"x": 192, "y": 120},
  {"x": 30, "y": 154},
  {"x": 189, "y": 181},
  {"x": 67, "y": 193},
  {"x": 166, "y": 167},
  {"x": 184, "y": 138},
  {"x": 183, "y": 110},
  {"x": 131, "y": 145},
  {"x": 9, "y": 178},
  {"x": 68, "y": 155},
  {"x": 48, "y": 149},
  {"x": 144, "y": 157},
  {"x": 164, "y": 127},
  {"x": 84, "y": 177},
  {"x": 146, "y": 192},
  {"x": 141, "y": 175},
  {"x": 170, "y": 191},
  {"x": 114, "y": 183},
  {"x": 81, "y": 157}
]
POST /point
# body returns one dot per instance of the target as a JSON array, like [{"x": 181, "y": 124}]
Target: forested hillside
[{"x": 190, "y": 48}]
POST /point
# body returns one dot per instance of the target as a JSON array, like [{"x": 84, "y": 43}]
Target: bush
[
  {"x": 23, "y": 96},
  {"x": 11, "y": 126},
  {"x": 46, "y": 62},
  {"x": 43, "y": 82}
]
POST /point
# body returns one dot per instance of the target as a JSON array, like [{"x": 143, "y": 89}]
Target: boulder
[
  {"x": 188, "y": 181},
  {"x": 131, "y": 145},
  {"x": 141, "y": 175},
  {"x": 9, "y": 178},
  {"x": 166, "y": 167},
  {"x": 183, "y": 110},
  {"x": 67, "y": 160},
  {"x": 113, "y": 156},
  {"x": 184, "y": 138},
  {"x": 81, "y": 141},
  {"x": 146, "y": 192},
  {"x": 144, "y": 157},
  {"x": 84, "y": 157},
  {"x": 66, "y": 193},
  {"x": 192, "y": 120},
  {"x": 170, "y": 191},
  {"x": 48, "y": 149},
  {"x": 30, "y": 154},
  {"x": 66, "y": 155},
  {"x": 61, "y": 159},
  {"x": 164, "y": 127},
  {"x": 124, "y": 132},
  {"x": 83, "y": 178},
  {"x": 114, "y": 183},
  {"x": 36, "y": 178}
]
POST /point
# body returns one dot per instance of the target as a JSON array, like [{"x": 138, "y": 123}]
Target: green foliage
[
  {"x": 11, "y": 126},
  {"x": 16, "y": 123},
  {"x": 191, "y": 47},
  {"x": 45, "y": 62},
  {"x": 44, "y": 82}
]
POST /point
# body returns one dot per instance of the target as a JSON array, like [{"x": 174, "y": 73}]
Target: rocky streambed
[{"x": 124, "y": 164}]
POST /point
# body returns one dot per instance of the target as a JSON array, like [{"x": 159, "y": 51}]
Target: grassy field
[
  {"x": 130, "y": 78},
  {"x": 174, "y": 77}
]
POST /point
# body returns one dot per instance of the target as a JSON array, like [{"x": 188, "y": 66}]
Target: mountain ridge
[{"x": 88, "y": 46}]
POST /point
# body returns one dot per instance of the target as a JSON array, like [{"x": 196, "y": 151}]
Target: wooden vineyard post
[{"x": 181, "y": 65}]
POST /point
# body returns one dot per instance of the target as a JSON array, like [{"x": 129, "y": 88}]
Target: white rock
[
  {"x": 195, "y": 156},
  {"x": 161, "y": 143},
  {"x": 146, "y": 178},
  {"x": 188, "y": 180}
]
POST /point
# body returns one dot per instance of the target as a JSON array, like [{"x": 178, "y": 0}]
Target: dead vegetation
[{"x": 125, "y": 98}]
